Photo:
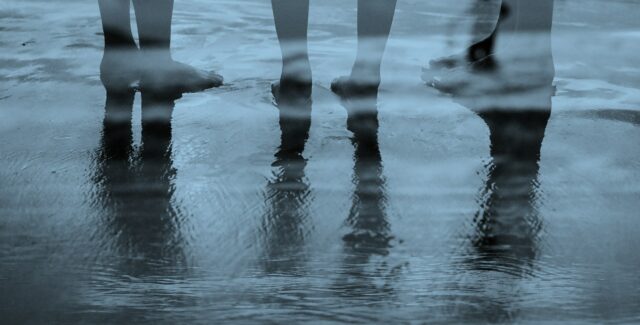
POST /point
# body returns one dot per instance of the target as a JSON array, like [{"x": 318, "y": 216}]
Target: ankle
[
  {"x": 365, "y": 74},
  {"x": 297, "y": 68},
  {"x": 116, "y": 39},
  {"x": 156, "y": 56}
]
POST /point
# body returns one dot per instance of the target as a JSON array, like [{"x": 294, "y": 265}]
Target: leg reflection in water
[
  {"x": 505, "y": 242},
  {"x": 370, "y": 236},
  {"x": 140, "y": 223},
  {"x": 152, "y": 65},
  {"x": 288, "y": 196},
  {"x": 375, "y": 18},
  {"x": 508, "y": 224},
  {"x": 292, "y": 20},
  {"x": 367, "y": 216},
  {"x": 515, "y": 103}
]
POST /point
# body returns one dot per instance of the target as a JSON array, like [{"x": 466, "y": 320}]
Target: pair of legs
[
  {"x": 152, "y": 65},
  {"x": 374, "y": 24},
  {"x": 136, "y": 184},
  {"x": 288, "y": 194},
  {"x": 507, "y": 223}
]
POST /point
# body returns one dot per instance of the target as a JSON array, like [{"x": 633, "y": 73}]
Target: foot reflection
[
  {"x": 506, "y": 78},
  {"x": 365, "y": 276},
  {"x": 507, "y": 226},
  {"x": 141, "y": 223},
  {"x": 516, "y": 112},
  {"x": 375, "y": 18},
  {"x": 288, "y": 196}
]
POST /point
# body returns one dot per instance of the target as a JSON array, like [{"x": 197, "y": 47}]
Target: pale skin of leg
[
  {"x": 292, "y": 21},
  {"x": 115, "y": 22},
  {"x": 375, "y": 18},
  {"x": 117, "y": 69},
  {"x": 486, "y": 14},
  {"x": 153, "y": 18}
]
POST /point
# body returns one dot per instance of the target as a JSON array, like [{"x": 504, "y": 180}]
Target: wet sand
[{"x": 219, "y": 250}]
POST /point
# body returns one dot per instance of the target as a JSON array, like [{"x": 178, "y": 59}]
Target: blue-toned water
[{"x": 443, "y": 215}]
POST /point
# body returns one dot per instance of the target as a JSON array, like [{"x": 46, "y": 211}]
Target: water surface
[{"x": 430, "y": 213}]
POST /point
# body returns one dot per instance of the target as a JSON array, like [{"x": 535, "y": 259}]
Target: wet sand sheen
[{"x": 73, "y": 249}]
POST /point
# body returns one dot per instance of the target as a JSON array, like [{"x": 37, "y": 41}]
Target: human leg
[
  {"x": 116, "y": 23},
  {"x": 119, "y": 61},
  {"x": 291, "y": 19},
  {"x": 154, "y": 18},
  {"x": 375, "y": 18}
]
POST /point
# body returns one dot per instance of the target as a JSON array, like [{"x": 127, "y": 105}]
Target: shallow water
[{"x": 242, "y": 221}]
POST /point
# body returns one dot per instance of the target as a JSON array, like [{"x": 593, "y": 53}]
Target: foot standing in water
[
  {"x": 494, "y": 18},
  {"x": 374, "y": 24},
  {"x": 135, "y": 184},
  {"x": 514, "y": 99},
  {"x": 123, "y": 63},
  {"x": 512, "y": 54}
]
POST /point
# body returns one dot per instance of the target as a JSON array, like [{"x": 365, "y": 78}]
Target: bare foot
[
  {"x": 348, "y": 87},
  {"x": 293, "y": 100},
  {"x": 291, "y": 90},
  {"x": 175, "y": 77},
  {"x": 295, "y": 82},
  {"x": 119, "y": 69},
  {"x": 361, "y": 103}
]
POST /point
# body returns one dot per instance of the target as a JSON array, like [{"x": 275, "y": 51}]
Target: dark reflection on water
[
  {"x": 510, "y": 88},
  {"x": 288, "y": 196},
  {"x": 370, "y": 234},
  {"x": 508, "y": 223},
  {"x": 136, "y": 188}
]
